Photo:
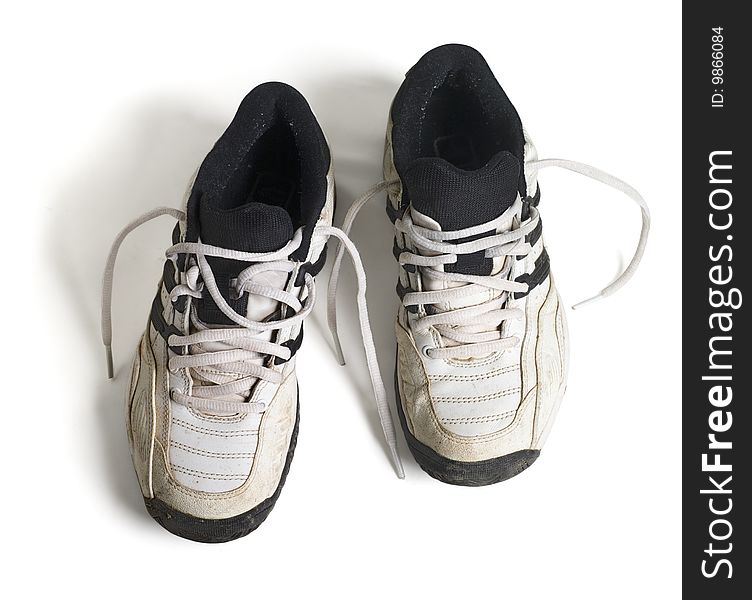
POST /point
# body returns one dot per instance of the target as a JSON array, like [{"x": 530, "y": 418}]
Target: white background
[{"x": 107, "y": 109}]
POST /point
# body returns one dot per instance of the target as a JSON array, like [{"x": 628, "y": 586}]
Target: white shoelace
[
  {"x": 226, "y": 374},
  {"x": 475, "y": 330}
]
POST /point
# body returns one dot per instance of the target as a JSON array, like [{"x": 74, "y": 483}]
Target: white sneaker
[
  {"x": 212, "y": 406},
  {"x": 482, "y": 350}
]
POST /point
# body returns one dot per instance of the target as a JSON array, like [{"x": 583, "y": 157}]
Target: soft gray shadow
[
  {"x": 143, "y": 160},
  {"x": 353, "y": 111}
]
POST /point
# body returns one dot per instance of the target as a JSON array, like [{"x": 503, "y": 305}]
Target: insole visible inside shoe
[
  {"x": 272, "y": 188},
  {"x": 457, "y": 149}
]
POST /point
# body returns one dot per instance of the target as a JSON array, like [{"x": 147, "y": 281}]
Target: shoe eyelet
[{"x": 424, "y": 351}]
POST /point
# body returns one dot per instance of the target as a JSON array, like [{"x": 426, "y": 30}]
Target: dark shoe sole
[
  {"x": 215, "y": 531},
  {"x": 455, "y": 472}
]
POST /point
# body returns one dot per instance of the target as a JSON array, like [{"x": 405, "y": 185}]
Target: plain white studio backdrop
[{"x": 107, "y": 110}]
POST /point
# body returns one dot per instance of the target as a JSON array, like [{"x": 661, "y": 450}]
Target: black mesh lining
[{"x": 451, "y": 106}]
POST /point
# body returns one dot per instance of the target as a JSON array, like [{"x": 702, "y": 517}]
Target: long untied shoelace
[
  {"x": 225, "y": 373},
  {"x": 474, "y": 330}
]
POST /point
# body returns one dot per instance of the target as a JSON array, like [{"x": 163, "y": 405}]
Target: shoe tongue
[
  {"x": 251, "y": 227},
  {"x": 457, "y": 198}
]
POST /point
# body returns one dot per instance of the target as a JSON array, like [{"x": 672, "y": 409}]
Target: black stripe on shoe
[{"x": 537, "y": 276}]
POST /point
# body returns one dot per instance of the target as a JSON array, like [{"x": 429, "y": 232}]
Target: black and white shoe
[
  {"x": 212, "y": 406},
  {"x": 482, "y": 351}
]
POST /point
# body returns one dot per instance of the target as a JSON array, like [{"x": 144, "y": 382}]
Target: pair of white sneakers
[{"x": 482, "y": 354}]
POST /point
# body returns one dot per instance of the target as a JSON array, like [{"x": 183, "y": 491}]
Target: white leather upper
[
  {"x": 211, "y": 465},
  {"x": 211, "y": 453},
  {"x": 481, "y": 408}
]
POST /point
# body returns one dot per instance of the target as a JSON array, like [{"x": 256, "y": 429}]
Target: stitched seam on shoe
[
  {"x": 487, "y": 397},
  {"x": 489, "y": 375},
  {"x": 537, "y": 339},
  {"x": 225, "y": 434},
  {"x": 489, "y": 437},
  {"x": 185, "y": 491},
  {"x": 210, "y": 454},
  {"x": 486, "y": 419},
  {"x": 463, "y": 440},
  {"x": 205, "y": 475}
]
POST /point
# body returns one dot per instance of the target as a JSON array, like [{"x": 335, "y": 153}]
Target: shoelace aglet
[
  {"x": 588, "y": 301},
  {"x": 338, "y": 350},
  {"x": 397, "y": 462},
  {"x": 110, "y": 367}
]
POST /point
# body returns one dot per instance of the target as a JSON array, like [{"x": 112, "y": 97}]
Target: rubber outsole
[
  {"x": 216, "y": 531},
  {"x": 455, "y": 472}
]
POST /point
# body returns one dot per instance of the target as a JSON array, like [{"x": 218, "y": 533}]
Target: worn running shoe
[
  {"x": 482, "y": 350},
  {"x": 212, "y": 406}
]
